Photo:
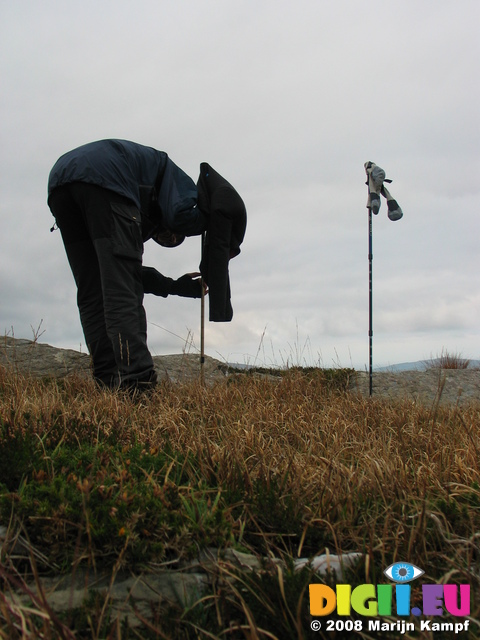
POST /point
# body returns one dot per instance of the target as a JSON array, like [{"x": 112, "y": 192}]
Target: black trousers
[{"x": 102, "y": 234}]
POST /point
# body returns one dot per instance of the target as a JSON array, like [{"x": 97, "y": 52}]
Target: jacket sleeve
[{"x": 155, "y": 282}]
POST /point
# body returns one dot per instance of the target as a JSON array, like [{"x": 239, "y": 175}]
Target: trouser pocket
[{"x": 127, "y": 239}]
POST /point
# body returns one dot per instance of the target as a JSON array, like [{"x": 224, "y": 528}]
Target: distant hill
[{"x": 420, "y": 365}]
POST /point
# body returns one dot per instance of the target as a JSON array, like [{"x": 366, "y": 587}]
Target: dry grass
[
  {"x": 285, "y": 467},
  {"x": 448, "y": 360}
]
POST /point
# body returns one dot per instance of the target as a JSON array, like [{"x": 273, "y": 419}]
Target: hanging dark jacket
[
  {"x": 226, "y": 225},
  {"x": 166, "y": 196}
]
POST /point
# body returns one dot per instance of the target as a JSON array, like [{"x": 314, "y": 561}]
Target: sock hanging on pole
[
  {"x": 376, "y": 178},
  {"x": 394, "y": 211}
]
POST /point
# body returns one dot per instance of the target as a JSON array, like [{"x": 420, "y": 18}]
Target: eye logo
[{"x": 403, "y": 572}]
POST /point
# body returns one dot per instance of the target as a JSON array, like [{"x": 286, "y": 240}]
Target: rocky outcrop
[
  {"x": 435, "y": 385},
  {"x": 131, "y": 595},
  {"x": 445, "y": 386},
  {"x": 37, "y": 359}
]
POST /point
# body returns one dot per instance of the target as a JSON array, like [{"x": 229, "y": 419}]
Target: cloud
[{"x": 287, "y": 101}]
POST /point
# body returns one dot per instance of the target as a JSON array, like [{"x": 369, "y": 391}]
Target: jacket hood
[
  {"x": 216, "y": 196},
  {"x": 226, "y": 224}
]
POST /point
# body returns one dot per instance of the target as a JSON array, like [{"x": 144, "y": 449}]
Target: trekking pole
[
  {"x": 202, "y": 323},
  {"x": 370, "y": 299},
  {"x": 375, "y": 182}
]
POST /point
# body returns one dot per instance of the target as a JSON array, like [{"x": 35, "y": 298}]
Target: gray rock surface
[
  {"x": 38, "y": 359},
  {"x": 445, "y": 386},
  {"x": 131, "y": 594}
]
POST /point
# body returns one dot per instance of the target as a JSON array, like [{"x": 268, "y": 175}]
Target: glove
[
  {"x": 155, "y": 282},
  {"x": 187, "y": 286}
]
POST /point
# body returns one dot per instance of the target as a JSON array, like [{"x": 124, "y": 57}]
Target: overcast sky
[{"x": 287, "y": 100}]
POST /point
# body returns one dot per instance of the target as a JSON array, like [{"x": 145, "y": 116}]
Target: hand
[
  {"x": 197, "y": 277},
  {"x": 189, "y": 286}
]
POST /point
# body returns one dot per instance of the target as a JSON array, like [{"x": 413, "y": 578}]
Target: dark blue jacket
[{"x": 142, "y": 174}]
